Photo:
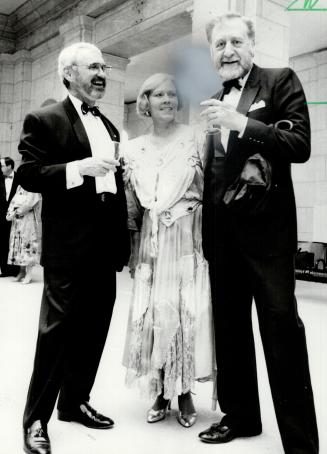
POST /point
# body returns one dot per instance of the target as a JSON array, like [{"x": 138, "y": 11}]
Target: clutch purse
[{"x": 250, "y": 191}]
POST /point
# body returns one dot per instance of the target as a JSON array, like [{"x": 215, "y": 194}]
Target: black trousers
[
  {"x": 5, "y": 227},
  {"x": 75, "y": 315},
  {"x": 237, "y": 278}
]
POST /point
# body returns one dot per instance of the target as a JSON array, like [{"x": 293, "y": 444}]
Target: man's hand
[
  {"x": 222, "y": 114},
  {"x": 97, "y": 167}
]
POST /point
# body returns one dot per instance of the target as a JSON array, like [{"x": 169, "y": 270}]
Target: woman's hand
[
  {"x": 126, "y": 171},
  {"x": 21, "y": 211}
]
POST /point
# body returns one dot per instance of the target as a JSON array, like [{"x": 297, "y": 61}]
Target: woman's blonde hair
[{"x": 148, "y": 86}]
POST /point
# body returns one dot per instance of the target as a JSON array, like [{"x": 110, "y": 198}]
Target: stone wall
[
  {"x": 310, "y": 179},
  {"x": 30, "y": 43},
  {"x": 6, "y": 103},
  {"x": 135, "y": 125},
  {"x": 28, "y": 71}
]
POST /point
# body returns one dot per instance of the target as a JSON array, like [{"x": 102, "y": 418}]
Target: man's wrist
[
  {"x": 79, "y": 167},
  {"x": 74, "y": 176}
]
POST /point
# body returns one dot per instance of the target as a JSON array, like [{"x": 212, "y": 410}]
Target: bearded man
[
  {"x": 69, "y": 157},
  {"x": 262, "y": 114}
]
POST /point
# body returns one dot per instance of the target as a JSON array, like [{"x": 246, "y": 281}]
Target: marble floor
[{"x": 19, "y": 307}]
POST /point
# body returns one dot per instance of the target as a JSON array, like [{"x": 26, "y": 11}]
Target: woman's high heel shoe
[
  {"x": 158, "y": 415},
  {"x": 183, "y": 417},
  {"x": 186, "y": 420},
  {"x": 21, "y": 274},
  {"x": 19, "y": 277},
  {"x": 28, "y": 276}
]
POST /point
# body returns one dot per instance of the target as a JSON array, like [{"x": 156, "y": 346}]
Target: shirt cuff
[
  {"x": 73, "y": 177},
  {"x": 243, "y": 129}
]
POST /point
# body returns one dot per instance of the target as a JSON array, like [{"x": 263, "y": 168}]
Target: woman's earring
[{"x": 148, "y": 113}]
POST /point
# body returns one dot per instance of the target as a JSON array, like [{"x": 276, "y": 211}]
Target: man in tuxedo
[
  {"x": 251, "y": 251},
  {"x": 68, "y": 156},
  {"x": 7, "y": 192}
]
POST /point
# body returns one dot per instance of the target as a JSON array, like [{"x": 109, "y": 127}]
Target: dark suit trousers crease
[
  {"x": 235, "y": 279},
  {"x": 76, "y": 309}
]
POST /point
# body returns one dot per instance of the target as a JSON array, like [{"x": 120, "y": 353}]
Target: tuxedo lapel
[
  {"x": 13, "y": 188},
  {"x": 77, "y": 125},
  {"x": 249, "y": 94},
  {"x": 250, "y": 91},
  {"x": 114, "y": 134},
  {"x": 80, "y": 130}
]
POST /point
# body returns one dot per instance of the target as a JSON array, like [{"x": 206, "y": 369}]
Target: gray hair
[
  {"x": 217, "y": 21},
  {"x": 68, "y": 57},
  {"x": 148, "y": 86}
]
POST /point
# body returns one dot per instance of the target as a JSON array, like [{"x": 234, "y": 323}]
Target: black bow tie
[
  {"x": 229, "y": 84},
  {"x": 11, "y": 177},
  {"x": 85, "y": 108}
]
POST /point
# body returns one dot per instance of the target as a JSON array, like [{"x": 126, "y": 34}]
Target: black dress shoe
[
  {"x": 36, "y": 440},
  {"x": 223, "y": 432},
  {"x": 87, "y": 416}
]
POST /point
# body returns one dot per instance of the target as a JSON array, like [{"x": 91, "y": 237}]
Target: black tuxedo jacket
[
  {"x": 78, "y": 229},
  {"x": 2, "y": 195},
  {"x": 273, "y": 232},
  {"x": 4, "y": 203}
]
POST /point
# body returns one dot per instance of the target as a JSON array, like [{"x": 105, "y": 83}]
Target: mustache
[{"x": 99, "y": 79}]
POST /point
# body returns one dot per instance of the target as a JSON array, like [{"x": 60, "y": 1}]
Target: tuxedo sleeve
[
  {"x": 288, "y": 103},
  {"x": 37, "y": 173}
]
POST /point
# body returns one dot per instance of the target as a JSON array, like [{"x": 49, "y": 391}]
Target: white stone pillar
[
  {"x": 21, "y": 96},
  {"x": 112, "y": 104},
  {"x": 6, "y": 103},
  {"x": 80, "y": 28},
  {"x": 15, "y": 99},
  {"x": 312, "y": 204}
]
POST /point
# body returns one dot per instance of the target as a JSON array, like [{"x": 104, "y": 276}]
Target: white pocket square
[{"x": 257, "y": 105}]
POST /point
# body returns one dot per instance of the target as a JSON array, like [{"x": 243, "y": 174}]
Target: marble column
[{"x": 16, "y": 71}]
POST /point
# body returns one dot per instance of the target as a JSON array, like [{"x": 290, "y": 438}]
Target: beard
[
  {"x": 95, "y": 92},
  {"x": 227, "y": 73},
  {"x": 235, "y": 71}
]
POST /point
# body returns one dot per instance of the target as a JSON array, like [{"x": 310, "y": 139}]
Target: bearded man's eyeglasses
[{"x": 96, "y": 68}]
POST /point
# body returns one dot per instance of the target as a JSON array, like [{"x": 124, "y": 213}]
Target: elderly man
[
  {"x": 250, "y": 242},
  {"x": 69, "y": 157}
]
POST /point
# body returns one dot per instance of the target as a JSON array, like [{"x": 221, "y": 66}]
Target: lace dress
[
  {"x": 169, "y": 342},
  {"x": 25, "y": 232}
]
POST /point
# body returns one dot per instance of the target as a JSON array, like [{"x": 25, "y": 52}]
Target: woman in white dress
[
  {"x": 24, "y": 212},
  {"x": 169, "y": 341}
]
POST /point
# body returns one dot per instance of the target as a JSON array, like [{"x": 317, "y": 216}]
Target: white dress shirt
[
  {"x": 101, "y": 146},
  {"x": 233, "y": 99}
]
